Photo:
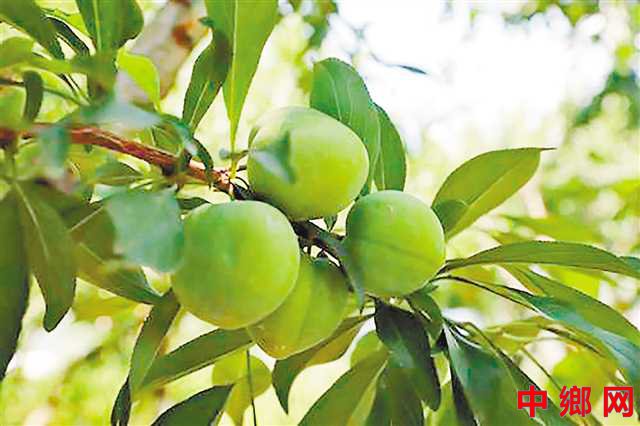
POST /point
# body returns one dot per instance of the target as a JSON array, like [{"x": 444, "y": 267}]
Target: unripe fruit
[
  {"x": 328, "y": 163},
  {"x": 395, "y": 241},
  {"x": 312, "y": 312},
  {"x": 241, "y": 261}
]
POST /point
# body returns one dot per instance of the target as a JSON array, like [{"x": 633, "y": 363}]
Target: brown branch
[
  {"x": 167, "y": 40},
  {"x": 87, "y": 135}
]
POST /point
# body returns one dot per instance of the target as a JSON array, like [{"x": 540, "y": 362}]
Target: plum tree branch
[{"x": 88, "y": 135}]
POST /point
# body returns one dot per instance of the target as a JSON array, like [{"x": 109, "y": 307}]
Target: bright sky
[{"x": 479, "y": 78}]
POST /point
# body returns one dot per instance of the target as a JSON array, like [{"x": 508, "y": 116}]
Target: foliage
[{"x": 76, "y": 208}]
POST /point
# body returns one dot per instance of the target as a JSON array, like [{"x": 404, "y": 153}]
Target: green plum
[
  {"x": 311, "y": 313},
  {"x": 241, "y": 261},
  {"x": 306, "y": 163},
  {"x": 395, "y": 241}
]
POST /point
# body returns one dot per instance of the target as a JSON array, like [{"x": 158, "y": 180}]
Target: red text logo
[
  {"x": 618, "y": 399},
  {"x": 531, "y": 402},
  {"x": 575, "y": 401}
]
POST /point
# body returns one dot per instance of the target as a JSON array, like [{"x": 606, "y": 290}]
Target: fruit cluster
[{"x": 243, "y": 266}]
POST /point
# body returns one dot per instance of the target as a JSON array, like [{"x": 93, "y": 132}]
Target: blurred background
[{"x": 458, "y": 78}]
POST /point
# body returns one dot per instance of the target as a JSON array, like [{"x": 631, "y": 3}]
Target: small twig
[{"x": 88, "y": 135}]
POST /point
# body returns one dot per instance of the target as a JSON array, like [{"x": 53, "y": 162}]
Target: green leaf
[
  {"x": 35, "y": 90},
  {"x": 425, "y": 303},
  {"x": 54, "y": 148},
  {"x": 208, "y": 75},
  {"x": 14, "y": 281},
  {"x": 409, "y": 352},
  {"x": 194, "y": 355},
  {"x": 275, "y": 158},
  {"x": 233, "y": 369},
  {"x": 151, "y": 335},
  {"x": 246, "y": 27},
  {"x": 15, "y": 50},
  {"x": 463, "y": 413},
  {"x": 548, "y": 252},
  {"x": 490, "y": 383},
  {"x": 115, "y": 112},
  {"x": 69, "y": 36},
  {"x": 111, "y": 23},
  {"x": 589, "y": 308},
  {"x": 93, "y": 232},
  {"x": 115, "y": 173},
  {"x": 148, "y": 228},
  {"x": 607, "y": 336},
  {"x": 449, "y": 213},
  {"x": 337, "y": 249},
  {"x": 188, "y": 204},
  {"x": 143, "y": 72},
  {"x": 49, "y": 249},
  {"x": 339, "y": 91},
  {"x": 403, "y": 403},
  {"x": 496, "y": 176},
  {"x": 557, "y": 227},
  {"x": 338, "y": 404},
  {"x": 121, "y": 410},
  {"x": 286, "y": 370},
  {"x": 28, "y": 17},
  {"x": 200, "y": 409},
  {"x": 365, "y": 346},
  {"x": 379, "y": 414},
  {"x": 391, "y": 170}
]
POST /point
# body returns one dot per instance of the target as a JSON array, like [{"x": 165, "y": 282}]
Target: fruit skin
[
  {"x": 328, "y": 160},
  {"x": 240, "y": 263},
  {"x": 311, "y": 313},
  {"x": 395, "y": 241}
]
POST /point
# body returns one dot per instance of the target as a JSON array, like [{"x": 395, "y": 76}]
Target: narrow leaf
[
  {"x": 208, "y": 75},
  {"x": 28, "y": 17},
  {"x": 548, "y": 252},
  {"x": 402, "y": 401},
  {"x": 589, "y": 308},
  {"x": 425, "y": 303},
  {"x": 275, "y": 158},
  {"x": 488, "y": 382},
  {"x": 449, "y": 213},
  {"x": 391, "y": 170},
  {"x": 153, "y": 331},
  {"x": 54, "y": 148},
  {"x": 337, "y": 405},
  {"x": 409, "y": 352},
  {"x": 49, "y": 249},
  {"x": 69, "y": 36},
  {"x": 485, "y": 181},
  {"x": 111, "y": 23},
  {"x": 286, "y": 370},
  {"x": 35, "y": 90},
  {"x": 339, "y": 91},
  {"x": 194, "y": 355},
  {"x": 121, "y": 410},
  {"x": 148, "y": 228},
  {"x": 200, "y": 409},
  {"x": 93, "y": 232},
  {"x": 143, "y": 72},
  {"x": 14, "y": 281},
  {"x": 246, "y": 27}
]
